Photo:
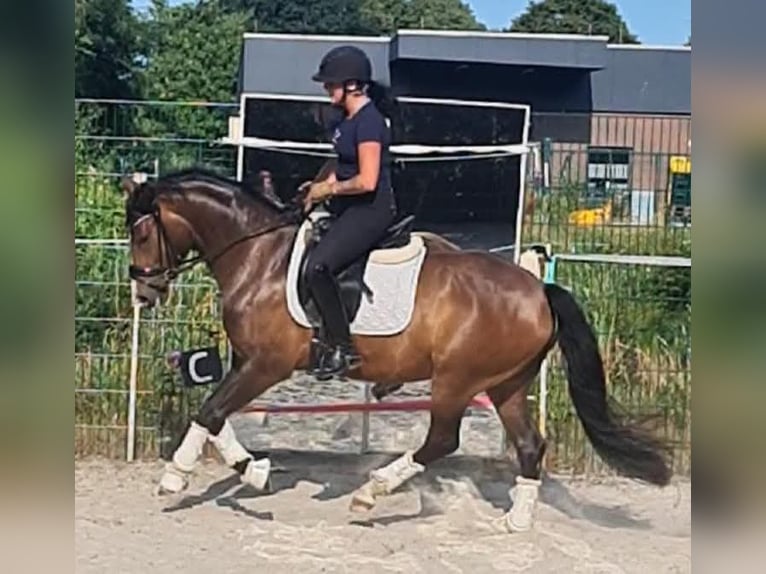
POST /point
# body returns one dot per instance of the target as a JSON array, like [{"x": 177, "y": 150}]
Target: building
[{"x": 614, "y": 113}]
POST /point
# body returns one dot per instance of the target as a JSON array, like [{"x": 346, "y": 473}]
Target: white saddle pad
[{"x": 393, "y": 288}]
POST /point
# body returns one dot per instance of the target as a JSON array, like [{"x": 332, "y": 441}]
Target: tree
[
  {"x": 387, "y": 16},
  {"x": 106, "y": 49},
  {"x": 356, "y": 16},
  {"x": 192, "y": 54},
  {"x": 193, "y": 51},
  {"x": 593, "y": 17},
  {"x": 301, "y": 17}
]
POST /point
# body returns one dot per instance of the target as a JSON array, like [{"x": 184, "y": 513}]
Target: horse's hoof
[
  {"x": 516, "y": 527},
  {"x": 519, "y": 519},
  {"x": 362, "y": 502},
  {"x": 522, "y": 514},
  {"x": 172, "y": 483}
]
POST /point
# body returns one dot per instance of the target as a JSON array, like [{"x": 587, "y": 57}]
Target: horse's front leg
[{"x": 241, "y": 385}]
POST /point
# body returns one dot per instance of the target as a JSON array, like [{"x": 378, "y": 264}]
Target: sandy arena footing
[{"x": 441, "y": 522}]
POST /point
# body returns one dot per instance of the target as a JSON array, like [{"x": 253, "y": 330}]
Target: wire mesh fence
[
  {"x": 641, "y": 313},
  {"x": 113, "y": 137},
  {"x": 627, "y": 193},
  {"x": 578, "y": 201}
]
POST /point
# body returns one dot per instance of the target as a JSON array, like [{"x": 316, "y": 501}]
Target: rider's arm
[
  {"x": 369, "y": 168},
  {"x": 370, "y": 134}
]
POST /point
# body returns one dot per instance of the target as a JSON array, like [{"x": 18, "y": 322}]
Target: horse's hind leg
[
  {"x": 510, "y": 401},
  {"x": 443, "y": 438},
  {"x": 240, "y": 386}
]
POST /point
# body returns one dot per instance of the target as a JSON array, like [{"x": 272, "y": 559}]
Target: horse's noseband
[{"x": 136, "y": 272}]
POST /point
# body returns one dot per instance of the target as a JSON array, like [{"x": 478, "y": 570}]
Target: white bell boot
[
  {"x": 384, "y": 481},
  {"x": 256, "y": 472},
  {"x": 175, "y": 479}
]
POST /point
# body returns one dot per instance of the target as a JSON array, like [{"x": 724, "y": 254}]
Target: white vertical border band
[
  {"x": 240, "y": 147},
  {"x": 522, "y": 188}
]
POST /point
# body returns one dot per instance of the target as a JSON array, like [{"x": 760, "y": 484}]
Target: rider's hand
[
  {"x": 305, "y": 185},
  {"x": 303, "y": 189},
  {"x": 317, "y": 192}
]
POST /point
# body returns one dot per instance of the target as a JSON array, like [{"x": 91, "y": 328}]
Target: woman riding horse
[
  {"x": 360, "y": 196},
  {"x": 480, "y": 324}
]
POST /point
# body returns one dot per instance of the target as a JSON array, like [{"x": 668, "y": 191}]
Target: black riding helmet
[{"x": 344, "y": 64}]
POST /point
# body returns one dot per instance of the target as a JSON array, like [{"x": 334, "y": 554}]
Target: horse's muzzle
[{"x": 148, "y": 294}]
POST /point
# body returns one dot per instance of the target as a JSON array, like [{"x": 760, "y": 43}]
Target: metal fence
[
  {"x": 617, "y": 214},
  {"x": 113, "y": 137},
  {"x": 640, "y": 308},
  {"x": 579, "y": 202}
]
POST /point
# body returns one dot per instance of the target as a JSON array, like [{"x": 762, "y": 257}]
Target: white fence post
[
  {"x": 366, "y": 420},
  {"x": 542, "y": 400},
  {"x": 132, "y": 390}
]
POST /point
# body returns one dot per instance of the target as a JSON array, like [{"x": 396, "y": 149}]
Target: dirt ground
[{"x": 441, "y": 522}]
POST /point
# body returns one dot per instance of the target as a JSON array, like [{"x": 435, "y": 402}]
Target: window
[{"x": 608, "y": 174}]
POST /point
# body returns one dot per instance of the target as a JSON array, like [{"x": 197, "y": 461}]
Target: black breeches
[{"x": 350, "y": 236}]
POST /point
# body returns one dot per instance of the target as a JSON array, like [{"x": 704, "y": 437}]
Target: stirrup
[
  {"x": 335, "y": 362},
  {"x": 351, "y": 356},
  {"x": 317, "y": 350}
]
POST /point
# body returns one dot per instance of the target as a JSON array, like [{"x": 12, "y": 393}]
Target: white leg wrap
[
  {"x": 188, "y": 453},
  {"x": 524, "y": 496},
  {"x": 397, "y": 473},
  {"x": 228, "y": 446}
]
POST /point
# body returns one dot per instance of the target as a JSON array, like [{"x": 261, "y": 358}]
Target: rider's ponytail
[{"x": 382, "y": 98}]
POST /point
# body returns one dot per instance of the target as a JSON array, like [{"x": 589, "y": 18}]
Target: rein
[{"x": 170, "y": 273}]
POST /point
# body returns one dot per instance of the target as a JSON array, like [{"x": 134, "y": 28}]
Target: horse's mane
[{"x": 141, "y": 202}]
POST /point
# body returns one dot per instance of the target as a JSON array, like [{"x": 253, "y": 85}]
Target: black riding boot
[{"x": 340, "y": 354}]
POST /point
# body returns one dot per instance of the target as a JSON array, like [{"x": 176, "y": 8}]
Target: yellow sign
[{"x": 680, "y": 164}]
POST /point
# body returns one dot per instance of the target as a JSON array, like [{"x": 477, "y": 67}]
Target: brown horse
[{"x": 480, "y": 324}]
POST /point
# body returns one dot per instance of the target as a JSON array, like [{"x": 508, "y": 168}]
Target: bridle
[{"x": 176, "y": 266}]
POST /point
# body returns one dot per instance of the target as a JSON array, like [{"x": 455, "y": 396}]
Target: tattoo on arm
[{"x": 349, "y": 186}]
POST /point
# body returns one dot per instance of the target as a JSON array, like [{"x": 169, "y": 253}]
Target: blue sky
[
  {"x": 653, "y": 21},
  {"x": 666, "y": 22}
]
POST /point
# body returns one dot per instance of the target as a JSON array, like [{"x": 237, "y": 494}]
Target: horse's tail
[{"x": 624, "y": 447}]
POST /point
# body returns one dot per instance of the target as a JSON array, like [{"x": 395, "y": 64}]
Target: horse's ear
[
  {"x": 129, "y": 184},
  {"x": 266, "y": 187}
]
